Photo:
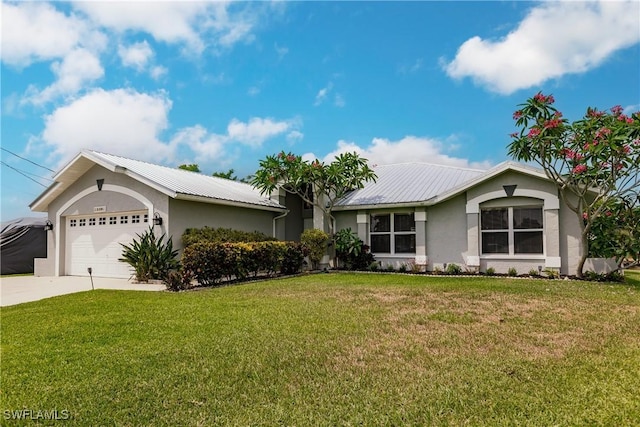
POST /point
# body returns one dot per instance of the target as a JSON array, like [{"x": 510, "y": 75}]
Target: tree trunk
[{"x": 585, "y": 250}]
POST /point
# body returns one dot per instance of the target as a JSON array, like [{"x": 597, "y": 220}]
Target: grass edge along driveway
[{"x": 331, "y": 349}]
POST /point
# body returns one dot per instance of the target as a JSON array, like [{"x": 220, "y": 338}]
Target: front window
[
  {"x": 393, "y": 233},
  {"x": 511, "y": 230}
]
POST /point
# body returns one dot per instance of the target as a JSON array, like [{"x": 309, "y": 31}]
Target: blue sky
[{"x": 225, "y": 84}]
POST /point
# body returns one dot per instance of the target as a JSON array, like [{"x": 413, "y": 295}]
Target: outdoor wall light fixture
[
  {"x": 157, "y": 219},
  {"x": 99, "y": 182},
  {"x": 48, "y": 226}
]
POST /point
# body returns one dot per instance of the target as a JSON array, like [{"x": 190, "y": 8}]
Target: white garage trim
[{"x": 80, "y": 195}]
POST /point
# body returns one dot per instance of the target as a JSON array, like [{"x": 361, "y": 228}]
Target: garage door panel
[{"x": 95, "y": 242}]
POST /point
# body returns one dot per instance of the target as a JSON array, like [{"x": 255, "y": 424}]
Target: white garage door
[{"x": 94, "y": 241}]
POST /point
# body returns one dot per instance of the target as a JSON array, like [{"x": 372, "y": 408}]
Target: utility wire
[
  {"x": 33, "y": 174},
  {"x": 32, "y": 162},
  {"x": 23, "y": 174}
]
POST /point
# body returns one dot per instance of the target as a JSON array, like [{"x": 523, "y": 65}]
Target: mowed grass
[{"x": 332, "y": 349}]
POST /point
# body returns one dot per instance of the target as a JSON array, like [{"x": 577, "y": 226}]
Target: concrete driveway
[{"x": 18, "y": 289}]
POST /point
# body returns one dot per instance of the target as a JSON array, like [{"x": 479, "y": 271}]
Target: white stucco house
[{"x": 508, "y": 216}]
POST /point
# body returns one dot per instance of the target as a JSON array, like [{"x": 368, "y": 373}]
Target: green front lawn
[{"x": 332, "y": 349}]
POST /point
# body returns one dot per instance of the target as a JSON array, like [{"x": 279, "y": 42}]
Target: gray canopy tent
[{"x": 22, "y": 240}]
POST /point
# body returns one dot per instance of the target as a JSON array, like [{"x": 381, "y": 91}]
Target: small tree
[
  {"x": 329, "y": 182},
  {"x": 616, "y": 234},
  {"x": 193, "y": 167},
  {"x": 226, "y": 175},
  {"x": 315, "y": 243},
  {"x": 593, "y": 161}
]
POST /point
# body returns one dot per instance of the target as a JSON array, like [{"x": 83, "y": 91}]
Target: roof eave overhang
[
  {"x": 215, "y": 201},
  {"x": 399, "y": 205}
]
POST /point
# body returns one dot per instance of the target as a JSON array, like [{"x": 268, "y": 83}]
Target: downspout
[{"x": 277, "y": 218}]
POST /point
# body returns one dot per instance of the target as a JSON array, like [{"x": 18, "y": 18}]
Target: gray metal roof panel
[
  {"x": 407, "y": 183},
  {"x": 180, "y": 181}
]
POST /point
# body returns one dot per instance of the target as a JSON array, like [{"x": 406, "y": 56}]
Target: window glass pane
[
  {"x": 494, "y": 219},
  {"x": 380, "y": 223},
  {"x": 527, "y": 218},
  {"x": 405, "y": 243},
  {"x": 495, "y": 243},
  {"x": 527, "y": 242},
  {"x": 404, "y": 222},
  {"x": 380, "y": 243}
]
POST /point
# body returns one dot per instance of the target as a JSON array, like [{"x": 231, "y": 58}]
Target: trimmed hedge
[
  {"x": 228, "y": 235},
  {"x": 210, "y": 262}
]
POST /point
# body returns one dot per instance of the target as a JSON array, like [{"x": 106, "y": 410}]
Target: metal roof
[
  {"x": 409, "y": 183},
  {"x": 174, "y": 182}
]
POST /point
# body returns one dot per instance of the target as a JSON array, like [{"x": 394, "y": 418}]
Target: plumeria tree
[
  {"x": 594, "y": 161},
  {"x": 317, "y": 183}
]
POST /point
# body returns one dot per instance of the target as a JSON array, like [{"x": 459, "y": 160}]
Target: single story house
[{"x": 507, "y": 217}]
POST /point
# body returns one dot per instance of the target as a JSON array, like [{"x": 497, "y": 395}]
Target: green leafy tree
[
  {"x": 593, "y": 161},
  {"x": 226, "y": 175},
  {"x": 193, "y": 167},
  {"x": 329, "y": 182},
  {"x": 616, "y": 233}
]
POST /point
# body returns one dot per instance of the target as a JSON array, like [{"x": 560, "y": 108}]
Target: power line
[
  {"x": 23, "y": 174},
  {"x": 32, "y": 162},
  {"x": 33, "y": 174}
]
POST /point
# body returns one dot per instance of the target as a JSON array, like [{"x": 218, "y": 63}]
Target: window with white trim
[
  {"x": 393, "y": 233},
  {"x": 512, "y": 230}
]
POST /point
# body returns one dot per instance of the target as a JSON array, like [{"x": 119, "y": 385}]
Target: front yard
[{"x": 331, "y": 349}]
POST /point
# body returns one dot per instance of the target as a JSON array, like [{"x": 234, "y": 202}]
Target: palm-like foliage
[{"x": 150, "y": 257}]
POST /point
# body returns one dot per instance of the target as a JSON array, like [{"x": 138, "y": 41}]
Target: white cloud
[
  {"x": 339, "y": 100},
  {"x": 554, "y": 39},
  {"x": 253, "y": 91},
  {"x": 204, "y": 145},
  {"x": 158, "y": 72},
  {"x": 34, "y": 31},
  {"x": 410, "y": 69},
  {"x": 196, "y": 25},
  {"x": 383, "y": 151},
  {"x": 136, "y": 55},
  {"x": 322, "y": 94},
  {"x": 78, "y": 69},
  {"x": 294, "y": 136},
  {"x": 281, "y": 51},
  {"x": 257, "y": 130},
  {"x": 121, "y": 121}
]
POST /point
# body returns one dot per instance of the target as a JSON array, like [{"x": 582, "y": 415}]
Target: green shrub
[
  {"x": 293, "y": 259},
  {"x": 551, "y": 273},
  {"x": 150, "y": 257},
  {"x": 402, "y": 268},
  {"x": 222, "y": 235},
  {"x": 177, "y": 281},
  {"x": 437, "y": 270},
  {"x": 533, "y": 272},
  {"x": 351, "y": 251},
  {"x": 614, "y": 276},
  {"x": 374, "y": 266},
  {"x": 210, "y": 262},
  {"x": 512, "y": 272},
  {"x": 491, "y": 271},
  {"x": 415, "y": 267},
  {"x": 390, "y": 268},
  {"x": 315, "y": 242},
  {"x": 453, "y": 269}
]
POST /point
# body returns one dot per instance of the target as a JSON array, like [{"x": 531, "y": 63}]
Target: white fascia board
[
  {"x": 37, "y": 204},
  {"x": 382, "y": 206},
  {"x": 214, "y": 201}
]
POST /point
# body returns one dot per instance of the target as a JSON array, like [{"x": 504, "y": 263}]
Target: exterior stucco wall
[
  {"x": 570, "y": 241},
  {"x": 113, "y": 201},
  {"x": 446, "y": 235},
  {"x": 346, "y": 219},
  {"x": 294, "y": 222},
  {"x": 185, "y": 214}
]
